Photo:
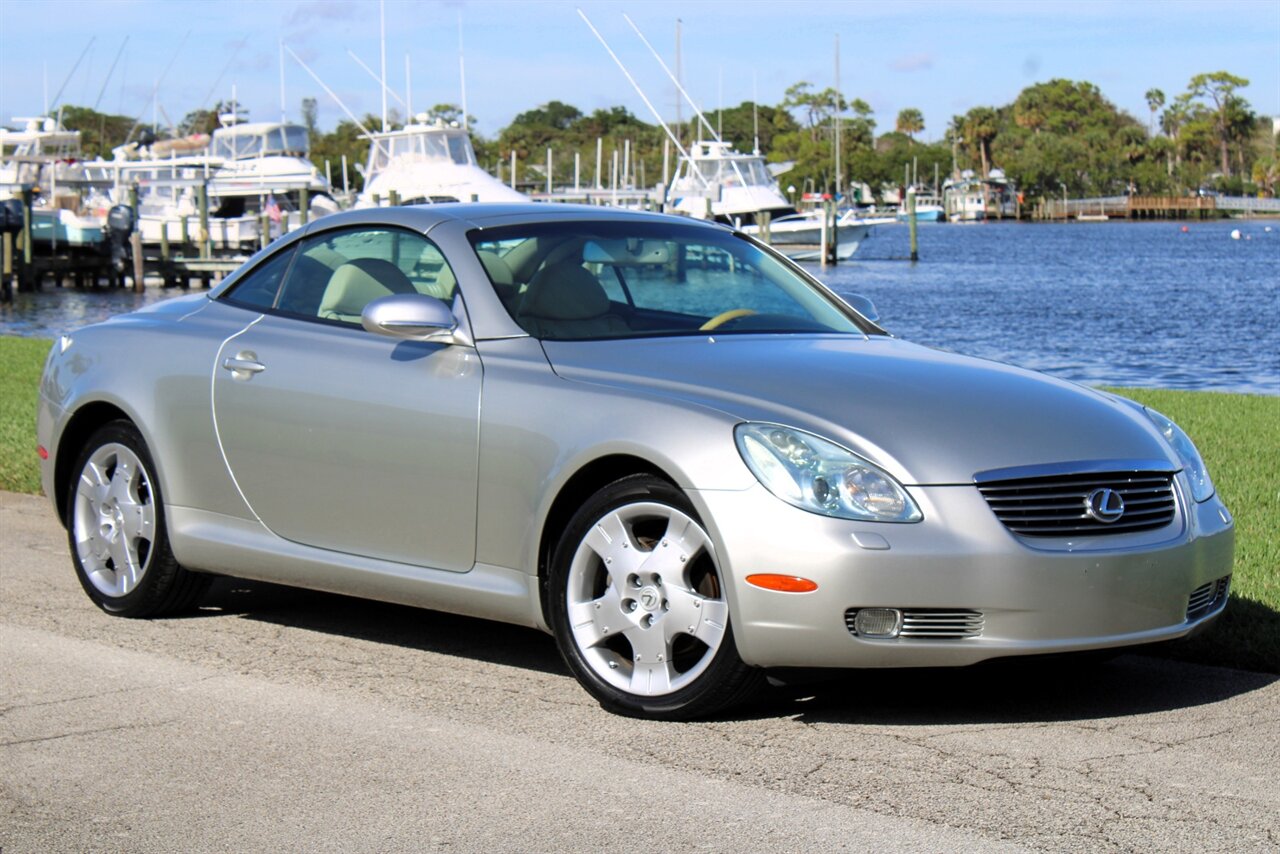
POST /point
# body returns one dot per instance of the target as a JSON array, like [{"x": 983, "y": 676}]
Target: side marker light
[{"x": 782, "y": 583}]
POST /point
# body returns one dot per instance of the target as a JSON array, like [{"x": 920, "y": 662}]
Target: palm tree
[
  {"x": 910, "y": 122},
  {"x": 980, "y": 127},
  {"x": 1155, "y": 100},
  {"x": 1220, "y": 88}
]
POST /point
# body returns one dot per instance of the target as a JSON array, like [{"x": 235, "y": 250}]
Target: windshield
[{"x": 599, "y": 280}]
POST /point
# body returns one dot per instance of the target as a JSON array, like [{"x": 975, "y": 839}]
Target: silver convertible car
[{"x": 654, "y": 438}]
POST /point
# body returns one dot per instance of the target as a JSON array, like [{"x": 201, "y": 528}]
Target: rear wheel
[
  {"x": 116, "y": 528},
  {"x": 638, "y": 605}
]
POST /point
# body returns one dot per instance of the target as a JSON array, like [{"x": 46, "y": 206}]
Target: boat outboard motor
[
  {"x": 120, "y": 224},
  {"x": 11, "y": 216}
]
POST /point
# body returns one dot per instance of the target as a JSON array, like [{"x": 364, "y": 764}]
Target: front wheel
[
  {"x": 116, "y": 528},
  {"x": 638, "y": 605}
]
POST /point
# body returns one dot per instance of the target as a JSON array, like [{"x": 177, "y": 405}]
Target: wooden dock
[{"x": 1155, "y": 207}]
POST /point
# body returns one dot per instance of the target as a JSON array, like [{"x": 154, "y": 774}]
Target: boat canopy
[
  {"x": 260, "y": 139},
  {"x": 422, "y": 143}
]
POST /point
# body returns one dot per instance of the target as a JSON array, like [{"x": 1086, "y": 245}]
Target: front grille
[
  {"x": 932, "y": 623},
  {"x": 1207, "y": 597},
  {"x": 1056, "y": 505}
]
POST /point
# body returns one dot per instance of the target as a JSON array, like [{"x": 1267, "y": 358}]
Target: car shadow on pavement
[
  {"x": 1046, "y": 689},
  {"x": 380, "y": 622}
]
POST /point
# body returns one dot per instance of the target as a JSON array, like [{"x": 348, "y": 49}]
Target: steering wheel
[{"x": 724, "y": 317}]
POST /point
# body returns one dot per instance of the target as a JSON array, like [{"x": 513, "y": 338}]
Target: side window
[
  {"x": 338, "y": 273},
  {"x": 258, "y": 289}
]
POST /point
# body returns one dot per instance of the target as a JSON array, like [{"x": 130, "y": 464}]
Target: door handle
[{"x": 243, "y": 366}]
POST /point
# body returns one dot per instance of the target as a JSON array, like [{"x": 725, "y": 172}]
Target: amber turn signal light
[{"x": 782, "y": 583}]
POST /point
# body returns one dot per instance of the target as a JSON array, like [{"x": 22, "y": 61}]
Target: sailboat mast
[
  {"x": 640, "y": 92},
  {"x": 675, "y": 78},
  {"x": 678, "y": 75},
  {"x": 283, "y": 112},
  {"x": 462, "y": 76},
  {"x": 838, "y": 159},
  {"x": 382, "y": 23},
  {"x": 755, "y": 112}
]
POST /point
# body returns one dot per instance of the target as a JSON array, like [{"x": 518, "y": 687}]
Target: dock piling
[{"x": 911, "y": 223}]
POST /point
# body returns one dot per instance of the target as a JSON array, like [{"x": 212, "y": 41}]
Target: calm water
[{"x": 1141, "y": 304}]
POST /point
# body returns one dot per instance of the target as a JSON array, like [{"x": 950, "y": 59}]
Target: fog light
[{"x": 878, "y": 622}]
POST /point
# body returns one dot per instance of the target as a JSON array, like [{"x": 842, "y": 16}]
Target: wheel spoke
[
  {"x": 611, "y": 540},
  {"x": 650, "y": 679},
  {"x": 122, "y": 481},
  {"x": 93, "y": 485},
  {"x": 650, "y": 644},
  {"x": 699, "y": 616},
  {"x": 126, "y": 564},
  {"x": 685, "y": 536},
  {"x": 715, "y": 618},
  {"x": 138, "y": 521},
  {"x": 595, "y": 621}
]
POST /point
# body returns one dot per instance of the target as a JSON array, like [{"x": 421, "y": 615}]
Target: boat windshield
[
  {"x": 286, "y": 140},
  {"x": 433, "y": 145},
  {"x": 745, "y": 171},
  {"x": 565, "y": 281}
]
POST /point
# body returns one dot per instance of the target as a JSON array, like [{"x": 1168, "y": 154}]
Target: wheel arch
[
  {"x": 82, "y": 425},
  {"x": 584, "y": 483}
]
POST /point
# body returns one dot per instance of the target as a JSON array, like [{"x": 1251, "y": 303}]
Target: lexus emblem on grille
[{"x": 1105, "y": 505}]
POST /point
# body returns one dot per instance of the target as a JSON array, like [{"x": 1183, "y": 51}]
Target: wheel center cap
[{"x": 650, "y": 598}]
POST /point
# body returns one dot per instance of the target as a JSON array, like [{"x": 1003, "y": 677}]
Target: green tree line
[{"x": 1056, "y": 135}]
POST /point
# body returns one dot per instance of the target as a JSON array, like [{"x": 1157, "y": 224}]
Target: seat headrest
[
  {"x": 357, "y": 283},
  {"x": 386, "y": 273},
  {"x": 565, "y": 291},
  {"x": 499, "y": 271}
]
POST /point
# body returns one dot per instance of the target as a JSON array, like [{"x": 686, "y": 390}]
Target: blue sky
[{"x": 941, "y": 56}]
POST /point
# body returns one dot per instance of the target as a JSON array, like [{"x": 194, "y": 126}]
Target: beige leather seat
[
  {"x": 357, "y": 283},
  {"x": 566, "y": 301}
]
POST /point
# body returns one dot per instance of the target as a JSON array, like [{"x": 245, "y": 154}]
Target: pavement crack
[{"x": 98, "y": 731}]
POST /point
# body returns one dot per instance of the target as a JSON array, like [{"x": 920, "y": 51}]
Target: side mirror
[
  {"x": 863, "y": 306},
  {"x": 414, "y": 317}
]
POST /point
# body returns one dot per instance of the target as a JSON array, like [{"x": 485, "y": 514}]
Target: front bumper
[{"x": 1033, "y": 596}]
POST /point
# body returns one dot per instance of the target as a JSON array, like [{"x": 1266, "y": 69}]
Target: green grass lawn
[
  {"x": 21, "y": 360},
  {"x": 1239, "y": 436}
]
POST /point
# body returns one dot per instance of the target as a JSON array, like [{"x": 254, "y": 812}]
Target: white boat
[
  {"x": 972, "y": 199},
  {"x": 428, "y": 161},
  {"x": 799, "y": 236},
  {"x": 929, "y": 208},
  {"x": 37, "y": 154},
  {"x": 261, "y": 159},
  {"x": 737, "y": 185}
]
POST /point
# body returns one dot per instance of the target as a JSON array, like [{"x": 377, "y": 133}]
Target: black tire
[
  {"x": 115, "y": 512},
  {"x": 649, "y": 593}
]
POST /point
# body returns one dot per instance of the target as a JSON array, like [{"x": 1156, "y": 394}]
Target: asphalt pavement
[{"x": 284, "y": 720}]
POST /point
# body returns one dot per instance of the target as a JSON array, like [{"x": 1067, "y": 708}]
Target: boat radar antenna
[
  {"x": 675, "y": 140},
  {"x": 673, "y": 77}
]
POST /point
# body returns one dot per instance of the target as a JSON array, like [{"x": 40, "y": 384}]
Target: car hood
[{"x": 927, "y": 416}]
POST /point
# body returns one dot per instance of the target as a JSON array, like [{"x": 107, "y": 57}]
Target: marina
[{"x": 1139, "y": 304}]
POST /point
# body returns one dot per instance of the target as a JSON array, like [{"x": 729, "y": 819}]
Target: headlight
[
  {"x": 821, "y": 477},
  {"x": 1196, "y": 471}
]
